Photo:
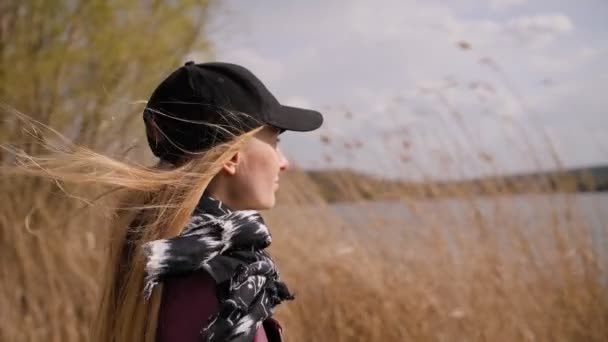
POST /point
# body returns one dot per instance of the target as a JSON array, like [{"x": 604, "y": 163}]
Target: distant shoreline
[{"x": 348, "y": 185}]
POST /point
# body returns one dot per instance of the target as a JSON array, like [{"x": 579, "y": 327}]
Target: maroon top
[{"x": 187, "y": 302}]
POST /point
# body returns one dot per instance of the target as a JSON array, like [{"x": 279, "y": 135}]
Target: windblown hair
[{"x": 151, "y": 203}]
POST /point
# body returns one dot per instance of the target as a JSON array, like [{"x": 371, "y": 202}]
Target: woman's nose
[{"x": 283, "y": 162}]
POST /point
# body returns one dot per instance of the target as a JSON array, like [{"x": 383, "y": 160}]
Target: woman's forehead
[
  {"x": 267, "y": 132},
  {"x": 272, "y": 129}
]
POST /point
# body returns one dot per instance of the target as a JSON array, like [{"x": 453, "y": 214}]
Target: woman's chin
[{"x": 271, "y": 201}]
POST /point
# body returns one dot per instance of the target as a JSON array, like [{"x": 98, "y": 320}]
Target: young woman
[{"x": 187, "y": 255}]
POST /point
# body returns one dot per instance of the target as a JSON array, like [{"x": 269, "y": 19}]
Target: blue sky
[{"x": 393, "y": 77}]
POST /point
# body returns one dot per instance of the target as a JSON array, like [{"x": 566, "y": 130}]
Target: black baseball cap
[{"x": 227, "y": 96}]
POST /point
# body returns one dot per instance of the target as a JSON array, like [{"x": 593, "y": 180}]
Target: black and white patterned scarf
[{"x": 230, "y": 246}]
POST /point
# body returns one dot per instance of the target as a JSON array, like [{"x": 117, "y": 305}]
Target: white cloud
[
  {"x": 544, "y": 23},
  {"x": 587, "y": 53},
  {"x": 540, "y": 30},
  {"x": 505, "y": 4}
]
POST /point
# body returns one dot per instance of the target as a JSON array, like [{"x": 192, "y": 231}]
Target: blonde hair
[{"x": 152, "y": 203}]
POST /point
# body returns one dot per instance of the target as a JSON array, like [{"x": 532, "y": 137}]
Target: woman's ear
[{"x": 230, "y": 166}]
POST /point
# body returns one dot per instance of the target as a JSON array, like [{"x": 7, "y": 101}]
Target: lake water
[{"x": 538, "y": 218}]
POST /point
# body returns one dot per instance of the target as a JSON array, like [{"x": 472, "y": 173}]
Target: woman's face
[{"x": 256, "y": 177}]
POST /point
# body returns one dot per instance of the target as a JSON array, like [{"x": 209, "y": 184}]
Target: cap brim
[{"x": 296, "y": 119}]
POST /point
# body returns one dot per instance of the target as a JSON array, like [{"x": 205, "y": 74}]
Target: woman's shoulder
[
  {"x": 187, "y": 303},
  {"x": 195, "y": 283},
  {"x": 196, "y": 291}
]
